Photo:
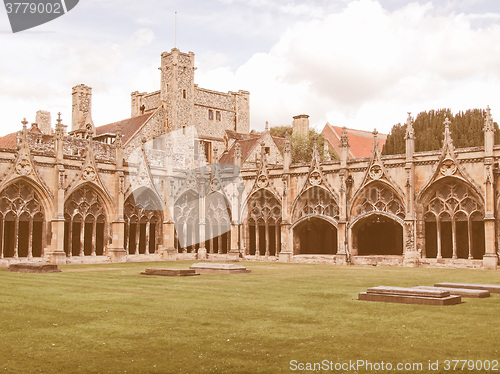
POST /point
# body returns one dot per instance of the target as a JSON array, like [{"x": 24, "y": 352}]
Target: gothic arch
[
  {"x": 423, "y": 196},
  {"x": 315, "y": 201},
  {"x": 377, "y": 197},
  {"x": 42, "y": 193},
  {"x": 143, "y": 214},
  {"x": 217, "y": 223},
  {"x": 452, "y": 213},
  {"x": 23, "y": 217},
  {"x": 186, "y": 218},
  {"x": 376, "y": 220},
  {"x": 103, "y": 195},
  {"x": 86, "y": 222},
  {"x": 244, "y": 210},
  {"x": 263, "y": 223},
  {"x": 315, "y": 235}
]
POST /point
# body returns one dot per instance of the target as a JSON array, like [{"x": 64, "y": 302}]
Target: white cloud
[{"x": 365, "y": 67}]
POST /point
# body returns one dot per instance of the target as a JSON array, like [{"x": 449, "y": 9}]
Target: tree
[
  {"x": 466, "y": 130},
  {"x": 302, "y": 145}
]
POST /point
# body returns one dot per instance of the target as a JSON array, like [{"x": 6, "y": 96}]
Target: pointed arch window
[
  {"x": 218, "y": 223},
  {"x": 85, "y": 223},
  {"x": 186, "y": 216},
  {"x": 377, "y": 197},
  {"x": 454, "y": 226},
  {"x": 316, "y": 201},
  {"x": 142, "y": 212},
  {"x": 264, "y": 224},
  {"x": 22, "y": 221}
]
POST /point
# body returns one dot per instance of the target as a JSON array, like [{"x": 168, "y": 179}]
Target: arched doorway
[
  {"x": 142, "y": 211},
  {"x": 22, "y": 219},
  {"x": 377, "y": 235},
  {"x": 264, "y": 224},
  {"x": 313, "y": 213},
  {"x": 315, "y": 236},
  {"x": 377, "y": 213},
  {"x": 85, "y": 223},
  {"x": 453, "y": 221}
]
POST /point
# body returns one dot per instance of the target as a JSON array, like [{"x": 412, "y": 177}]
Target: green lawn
[{"x": 109, "y": 319}]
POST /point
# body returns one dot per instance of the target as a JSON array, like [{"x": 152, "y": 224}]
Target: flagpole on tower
[{"x": 175, "y": 30}]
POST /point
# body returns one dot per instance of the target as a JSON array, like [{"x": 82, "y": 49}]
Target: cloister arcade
[{"x": 22, "y": 221}]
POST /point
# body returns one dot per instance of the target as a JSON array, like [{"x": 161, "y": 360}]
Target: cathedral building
[{"x": 183, "y": 178}]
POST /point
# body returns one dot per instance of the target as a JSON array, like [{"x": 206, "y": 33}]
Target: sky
[{"x": 363, "y": 64}]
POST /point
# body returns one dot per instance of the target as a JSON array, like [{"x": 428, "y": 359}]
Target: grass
[{"x": 109, "y": 319}]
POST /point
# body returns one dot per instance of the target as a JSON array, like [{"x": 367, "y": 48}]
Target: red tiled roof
[
  {"x": 361, "y": 142},
  {"x": 9, "y": 141},
  {"x": 129, "y": 126},
  {"x": 246, "y": 147}
]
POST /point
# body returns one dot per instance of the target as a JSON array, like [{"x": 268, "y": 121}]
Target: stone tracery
[
  {"x": 453, "y": 219},
  {"x": 264, "y": 219},
  {"x": 85, "y": 223},
  {"x": 143, "y": 217},
  {"x": 21, "y": 221}
]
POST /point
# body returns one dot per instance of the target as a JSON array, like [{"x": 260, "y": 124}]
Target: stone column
[
  {"x": 56, "y": 253},
  {"x": 30, "y": 237},
  {"x": 116, "y": 250},
  {"x": 438, "y": 231},
  {"x": 286, "y": 252},
  {"x": 266, "y": 226},
  {"x": 82, "y": 237},
  {"x": 454, "y": 236},
  {"x": 410, "y": 252},
  {"x": 137, "y": 236},
  {"x": 277, "y": 238},
  {"x": 469, "y": 235},
  {"x": 202, "y": 251},
  {"x": 146, "y": 249},
  {"x": 490, "y": 258},
  {"x": 126, "y": 237},
  {"x": 234, "y": 250},
  {"x": 94, "y": 235},
  {"x": 2, "y": 239},
  {"x": 70, "y": 238},
  {"x": 257, "y": 239},
  {"x": 286, "y": 243},
  {"x": 16, "y": 237}
]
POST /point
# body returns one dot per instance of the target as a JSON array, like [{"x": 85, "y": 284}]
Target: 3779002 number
[
  {"x": 481, "y": 365},
  {"x": 33, "y": 8}
]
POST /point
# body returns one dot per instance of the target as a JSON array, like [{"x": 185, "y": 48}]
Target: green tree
[
  {"x": 302, "y": 145},
  {"x": 466, "y": 131}
]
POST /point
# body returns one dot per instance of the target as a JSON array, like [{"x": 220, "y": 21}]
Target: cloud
[{"x": 366, "y": 66}]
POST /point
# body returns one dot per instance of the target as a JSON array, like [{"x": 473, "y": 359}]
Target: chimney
[
  {"x": 301, "y": 124},
  {"x": 43, "y": 121},
  {"x": 82, "y": 108}
]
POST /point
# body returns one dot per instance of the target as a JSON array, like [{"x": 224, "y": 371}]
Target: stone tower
[{"x": 177, "y": 88}]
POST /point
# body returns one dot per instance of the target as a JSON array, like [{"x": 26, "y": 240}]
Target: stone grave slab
[
  {"x": 404, "y": 295},
  {"x": 170, "y": 272},
  {"x": 34, "y": 268},
  {"x": 464, "y": 292},
  {"x": 493, "y": 288},
  {"x": 220, "y": 268}
]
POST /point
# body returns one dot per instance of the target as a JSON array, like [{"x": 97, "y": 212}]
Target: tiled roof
[
  {"x": 129, "y": 126},
  {"x": 361, "y": 142},
  {"x": 246, "y": 147},
  {"x": 9, "y": 141}
]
